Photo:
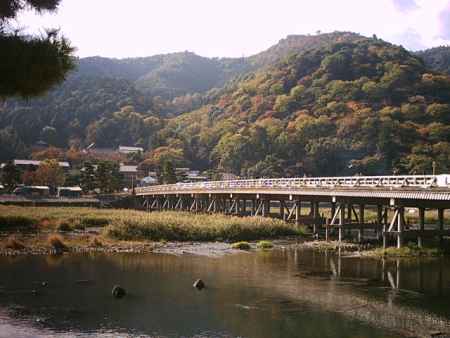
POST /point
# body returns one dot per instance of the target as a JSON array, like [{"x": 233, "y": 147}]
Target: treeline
[
  {"x": 342, "y": 104},
  {"x": 357, "y": 107}
]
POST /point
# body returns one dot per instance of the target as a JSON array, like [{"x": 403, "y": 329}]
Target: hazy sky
[{"x": 129, "y": 28}]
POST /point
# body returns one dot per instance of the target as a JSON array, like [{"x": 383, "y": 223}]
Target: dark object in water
[
  {"x": 118, "y": 291},
  {"x": 199, "y": 284}
]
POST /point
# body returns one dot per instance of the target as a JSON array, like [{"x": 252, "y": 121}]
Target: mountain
[
  {"x": 352, "y": 107},
  {"x": 437, "y": 58},
  {"x": 299, "y": 43},
  {"x": 159, "y": 86},
  {"x": 168, "y": 75},
  {"x": 326, "y": 104}
]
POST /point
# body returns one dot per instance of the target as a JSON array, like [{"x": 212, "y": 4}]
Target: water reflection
[{"x": 281, "y": 293}]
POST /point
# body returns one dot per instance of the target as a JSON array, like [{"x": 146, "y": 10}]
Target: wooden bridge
[{"x": 367, "y": 205}]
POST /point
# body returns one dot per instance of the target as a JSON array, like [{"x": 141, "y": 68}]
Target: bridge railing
[{"x": 415, "y": 181}]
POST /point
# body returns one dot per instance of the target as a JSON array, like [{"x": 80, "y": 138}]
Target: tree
[
  {"x": 28, "y": 177},
  {"x": 30, "y": 65},
  {"x": 168, "y": 175},
  {"x": 87, "y": 177},
  {"x": 50, "y": 174},
  {"x": 11, "y": 176},
  {"x": 270, "y": 167},
  {"x": 108, "y": 177}
]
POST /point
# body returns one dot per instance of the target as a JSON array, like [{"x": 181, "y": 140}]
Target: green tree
[
  {"x": 87, "y": 177},
  {"x": 11, "y": 176},
  {"x": 30, "y": 65},
  {"x": 168, "y": 175},
  {"x": 108, "y": 176},
  {"x": 271, "y": 166}
]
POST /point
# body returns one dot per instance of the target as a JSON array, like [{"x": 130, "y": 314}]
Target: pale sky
[{"x": 130, "y": 28}]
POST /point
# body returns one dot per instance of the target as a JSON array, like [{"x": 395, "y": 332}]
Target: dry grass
[
  {"x": 96, "y": 242},
  {"x": 14, "y": 244},
  {"x": 184, "y": 226},
  {"x": 140, "y": 225}
]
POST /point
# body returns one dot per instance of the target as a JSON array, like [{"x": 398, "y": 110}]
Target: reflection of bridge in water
[{"x": 332, "y": 203}]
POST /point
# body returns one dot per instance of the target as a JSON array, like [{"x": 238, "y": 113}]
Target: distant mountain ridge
[
  {"x": 175, "y": 74},
  {"x": 112, "y": 101},
  {"x": 437, "y": 58}
]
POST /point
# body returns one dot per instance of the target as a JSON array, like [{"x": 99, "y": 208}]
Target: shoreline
[
  {"x": 65, "y": 230},
  {"x": 36, "y": 244}
]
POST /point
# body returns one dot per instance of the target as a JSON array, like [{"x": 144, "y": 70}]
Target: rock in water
[
  {"x": 118, "y": 291},
  {"x": 198, "y": 284}
]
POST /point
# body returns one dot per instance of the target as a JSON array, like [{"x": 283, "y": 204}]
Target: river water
[{"x": 279, "y": 293}]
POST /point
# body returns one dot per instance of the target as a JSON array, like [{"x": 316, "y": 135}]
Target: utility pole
[{"x": 434, "y": 167}]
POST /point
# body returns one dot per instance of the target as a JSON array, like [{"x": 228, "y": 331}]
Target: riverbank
[
  {"x": 48, "y": 230},
  {"x": 29, "y": 231},
  {"x": 372, "y": 251}
]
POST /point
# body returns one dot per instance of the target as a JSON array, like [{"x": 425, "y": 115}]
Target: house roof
[
  {"x": 127, "y": 149},
  {"x": 128, "y": 168},
  {"x": 69, "y": 188},
  {"x": 38, "y": 163}
]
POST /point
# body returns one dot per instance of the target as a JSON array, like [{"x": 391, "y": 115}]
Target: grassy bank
[
  {"x": 183, "y": 226},
  {"x": 408, "y": 251},
  {"x": 138, "y": 225}
]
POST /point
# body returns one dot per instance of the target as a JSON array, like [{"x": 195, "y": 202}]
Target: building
[
  {"x": 71, "y": 192},
  {"x": 194, "y": 176},
  {"x": 148, "y": 180},
  {"x": 130, "y": 150},
  {"x": 130, "y": 175},
  {"x": 32, "y": 164},
  {"x": 35, "y": 190}
]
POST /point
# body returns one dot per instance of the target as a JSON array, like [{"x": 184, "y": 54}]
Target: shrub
[
  {"x": 14, "y": 244},
  {"x": 57, "y": 243},
  {"x": 96, "y": 242},
  {"x": 241, "y": 245},
  {"x": 64, "y": 226},
  {"x": 264, "y": 245}
]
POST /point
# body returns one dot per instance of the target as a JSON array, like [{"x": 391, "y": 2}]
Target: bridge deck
[
  {"x": 425, "y": 188},
  {"x": 390, "y": 195}
]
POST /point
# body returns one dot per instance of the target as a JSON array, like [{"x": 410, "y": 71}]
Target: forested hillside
[
  {"x": 82, "y": 110},
  {"x": 355, "y": 107},
  {"x": 437, "y": 58},
  {"x": 321, "y": 104}
]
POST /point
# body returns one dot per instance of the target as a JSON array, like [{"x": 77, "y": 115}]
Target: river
[{"x": 280, "y": 293}]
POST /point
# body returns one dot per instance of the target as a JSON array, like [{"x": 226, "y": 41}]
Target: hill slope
[
  {"x": 365, "y": 106},
  {"x": 437, "y": 58},
  {"x": 343, "y": 104}
]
